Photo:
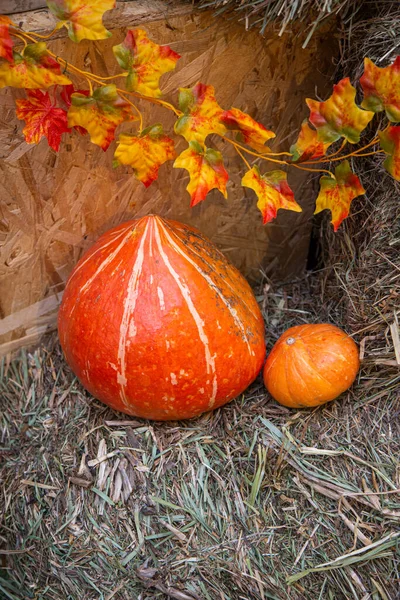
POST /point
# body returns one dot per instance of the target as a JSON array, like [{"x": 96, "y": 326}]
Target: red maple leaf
[{"x": 42, "y": 118}]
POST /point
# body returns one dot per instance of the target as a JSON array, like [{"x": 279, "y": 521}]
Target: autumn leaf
[
  {"x": 339, "y": 116},
  {"x": 206, "y": 171},
  {"x": 145, "y": 153},
  {"x": 6, "y": 43},
  {"x": 337, "y": 192},
  {"x": 33, "y": 69},
  {"x": 100, "y": 114},
  {"x": 390, "y": 143},
  {"x": 42, "y": 118},
  {"x": 144, "y": 62},
  {"x": 201, "y": 114},
  {"x": 82, "y": 18},
  {"x": 273, "y": 192},
  {"x": 251, "y": 132},
  {"x": 382, "y": 88},
  {"x": 308, "y": 145}
]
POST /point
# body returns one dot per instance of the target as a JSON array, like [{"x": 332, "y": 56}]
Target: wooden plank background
[{"x": 53, "y": 206}]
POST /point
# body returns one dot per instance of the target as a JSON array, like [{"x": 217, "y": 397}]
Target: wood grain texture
[{"x": 54, "y": 206}]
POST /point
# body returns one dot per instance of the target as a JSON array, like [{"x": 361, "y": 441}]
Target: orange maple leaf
[
  {"x": 201, "y": 114},
  {"x": 273, "y": 192},
  {"x": 337, "y": 192},
  {"x": 33, "y": 69},
  {"x": 251, "y": 132},
  {"x": 390, "y": 143},
  {"x": 82, "y": 18},
  {"x": 6, "y": 43},
  {"x": 144, "y": 61},
  {"x": 308, "y": 144},
  {"x": 382, "y": 88},
  {"x": 145, "y": 153},
  {"x": 100, "y": 114},
  {"x": 206, "y": 171},
  {"x": 339, "y": 116},
  {"x": 42, "y": 118}
]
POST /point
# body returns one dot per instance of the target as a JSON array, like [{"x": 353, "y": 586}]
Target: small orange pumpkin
[{"x": 310, "y": 365}]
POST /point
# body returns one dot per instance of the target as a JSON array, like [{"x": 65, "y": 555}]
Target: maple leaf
[
  {"x": 32, "y": 70},
  {"x": 82, "y": 18},
  {"x": 100, "y": 114},
  {"x": 339, "y": 116},
  {"x": 251, "y": 132},
  {"x": 6, "y": 43},
  {"x": 201, "y": 114},
  {"x": 337, "y": 192},
  {"x": 42, "y": 118},
  {"x": 273, "y": 192},
  {"x": 145, "y": 153},
  {"x": 206, "y": 171},
  {"x": 144, "y": 61},
  {"x": 382, "y": 88},
  {"x": 308, "y": 145},
  {"x": 390, "y": 143}
]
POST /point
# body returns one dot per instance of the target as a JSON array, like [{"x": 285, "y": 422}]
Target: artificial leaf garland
[{"x": 99, "y": 113}]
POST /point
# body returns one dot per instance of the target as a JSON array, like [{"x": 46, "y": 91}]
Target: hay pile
[{"x": 252, "y": 501}]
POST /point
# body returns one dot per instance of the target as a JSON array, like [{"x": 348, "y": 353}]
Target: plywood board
[{"x": 53, "y": 206}]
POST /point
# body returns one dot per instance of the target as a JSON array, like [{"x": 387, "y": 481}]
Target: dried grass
[{"x": 253, "y": 501}]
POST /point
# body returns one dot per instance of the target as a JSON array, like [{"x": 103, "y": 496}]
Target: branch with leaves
[{"x": 60, "y": 97}]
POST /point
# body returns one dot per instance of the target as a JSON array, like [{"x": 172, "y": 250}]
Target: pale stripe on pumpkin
[
  {"x": 210, "y": 282},
  {"x": 210, "y": 360},
  {"x": 91, "y": 254},
  {"x": 127, "y": 328}
]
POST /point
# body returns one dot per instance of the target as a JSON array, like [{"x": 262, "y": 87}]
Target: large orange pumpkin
[
  {"x": 156, "y": 323},
  {"x": 310, "y": 365}
]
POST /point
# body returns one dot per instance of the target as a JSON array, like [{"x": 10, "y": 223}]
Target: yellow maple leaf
[
  {"x": 201, "y": 114},
  {"x": 337, "y": 192},
  {"x": 206, "y": 171},
  {"x": 144, "y": 62},
  {"x": 100, "y": 114},
  {"x": 82, "y": 18},
  {"x": 339, "y": 116},
  {"x": 33, "y": 69},
  {"x": 273, "y": 192},
  {"x": 251, "y": 132},
  {"x": 381, "y": 88},
  {"x": 145, "y": 153}
]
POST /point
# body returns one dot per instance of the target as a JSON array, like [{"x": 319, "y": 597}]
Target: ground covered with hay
[{"x": 252, "y": 501}]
